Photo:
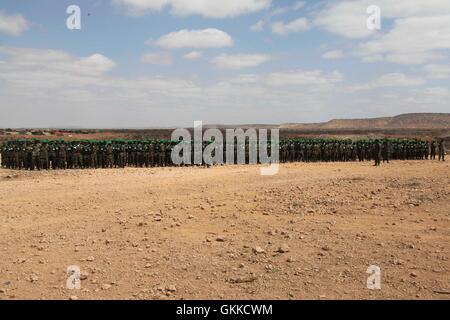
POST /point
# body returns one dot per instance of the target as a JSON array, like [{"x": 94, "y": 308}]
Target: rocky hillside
[{"x": 403, "y": 121}]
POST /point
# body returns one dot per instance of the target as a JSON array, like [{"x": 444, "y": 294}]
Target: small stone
[
  {"x": 106, "y": 286},
  {"x": 171, "y": 288},
  {"x": 258, "y": 250},
  {"x": 283, "y": 248},
  {"x": 90, "y": 258},
  {"x": 398, "y": 262},
  {"x": 245, "y": 279},
  {"x": 413, "y": 274},
  {"x": 83, "y": 275},
  {"x": 220, "y": 239},
  {"x": 73, "y": 298}
]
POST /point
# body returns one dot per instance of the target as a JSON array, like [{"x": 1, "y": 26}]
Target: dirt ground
[{"x": 309, "y": 232}]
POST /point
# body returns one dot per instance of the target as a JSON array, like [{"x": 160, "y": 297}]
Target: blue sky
[{"x": 143, "y": 63}]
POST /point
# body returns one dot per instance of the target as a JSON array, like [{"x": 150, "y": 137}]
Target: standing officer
[{"x": 442, "y": 150}]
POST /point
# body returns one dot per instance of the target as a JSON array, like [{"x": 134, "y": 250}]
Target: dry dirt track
[{"x": 196, "y": 233}]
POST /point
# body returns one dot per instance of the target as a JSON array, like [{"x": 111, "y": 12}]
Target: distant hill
[{"x": 403, "y": 121}]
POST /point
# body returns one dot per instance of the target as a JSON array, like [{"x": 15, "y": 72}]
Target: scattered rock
[
  {"x": 171, "y": 288},
  {"x": 83, "y": 275},
  {"x": 245, "y": 279},
  {"x": 220, "y": 239},
  {"x": 258, "y": 250},
  {"x": 106, "y": 286},
  {"x": 283, "y": 248}
]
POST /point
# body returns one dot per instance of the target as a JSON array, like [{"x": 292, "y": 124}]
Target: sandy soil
[{"x": 309, "y": 232}]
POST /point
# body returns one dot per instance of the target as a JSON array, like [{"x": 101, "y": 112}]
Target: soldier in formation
[
  {"x": 59, "y": 154},
  {"x": 442, "y": 150}
]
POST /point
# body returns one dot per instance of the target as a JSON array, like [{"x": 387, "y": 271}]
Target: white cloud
[
  {"x": 430, "y": 96},
  {"x": 206, "y": 38},
  {"x": 298, "y": 25},
  {"x": 13, "y": 24},
  {"x": 333, "y": 54},
  {"x": 303, "y": 78},
  {"x": 437, "y": 71},
  {"x": 245, "y": 79},
  {"x": 206, "y": 8},
  {"x": 258, "y": 26},
  {"x": 193, "y": 55},
  {"x": 53, "y": 62},
  {"x": 239, "y": 61},
  {"x": 299, "y": 5},
  {"x": 397, "y": 80},
  {"x": 348, "y": 18},
  {"x": 389, "y": 80},
  {"x": 42, "y": 88},
  {"x": 412, "y": 31},
  {"x": 161, "y": 58},
  {"x": 414, "y": 40}
]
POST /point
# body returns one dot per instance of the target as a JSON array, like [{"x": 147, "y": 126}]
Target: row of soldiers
[
  {"x": 59, "y": 154},
  {"x": 324, "y": 150}
]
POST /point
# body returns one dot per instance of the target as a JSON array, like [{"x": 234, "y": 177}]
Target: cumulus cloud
[
  {"x": 193, "y": 55},
  {"x": 412, "y": 31},
  {"x": 414, "y": 40},
  {"x": 260, "y": 24},
  {"x": 53, "y": 62},
  {"x": 303, "y": 78},
  {"x": 206, "y": 8},
  {"x": 389, "y": 80},
  {"x": 44, "y": 88},
  {"x": 348, "y": 18},
  {"x": 13, "y": 24},
  {"x": 298, "y": 25},
  {"x": 239, "y": 61},
  {"x": 161, "y": 58},
  {"x": 397, "y": 80},
  {"x": 333, "y": 55},
  {"x": 437, "y": 71},
  {"x": 429, "y": 96},
  {"x": 205, "y": 38}
]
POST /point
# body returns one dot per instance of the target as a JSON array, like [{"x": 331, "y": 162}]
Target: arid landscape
[
  {"x": 309, "y": 232},
  {"x": 420, "y": 125}
]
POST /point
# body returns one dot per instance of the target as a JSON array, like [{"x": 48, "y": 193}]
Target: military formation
[
  {"x": 58, "y": 154},
  {"x": 43, "y": 154},
  {"x": 378, "y": 150}
]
